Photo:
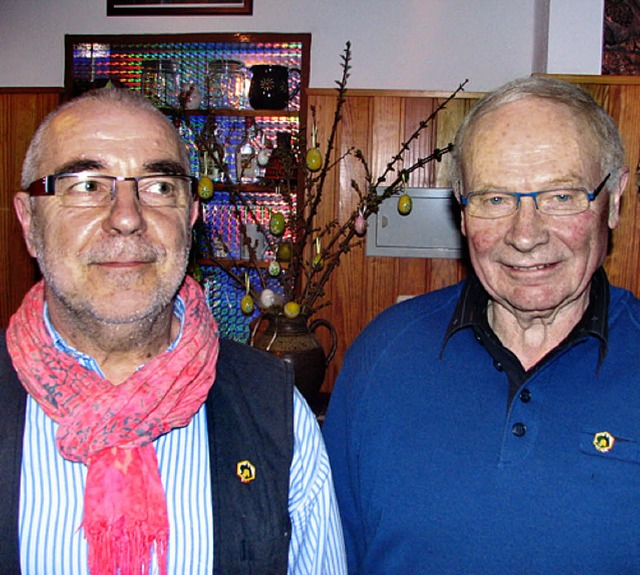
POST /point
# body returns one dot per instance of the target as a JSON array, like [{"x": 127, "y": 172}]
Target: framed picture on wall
[
  {"x": 178, "y": 7},
  {"x": 621, "y": 38}
]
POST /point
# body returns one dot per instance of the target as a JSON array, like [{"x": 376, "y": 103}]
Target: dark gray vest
[{"x": 249, "y": 418}]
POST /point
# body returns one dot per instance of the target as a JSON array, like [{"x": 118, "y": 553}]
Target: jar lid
[{"x": 223, "y": 65}]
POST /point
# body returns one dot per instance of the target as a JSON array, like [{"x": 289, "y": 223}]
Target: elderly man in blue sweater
[{"x": 493, "y": 427}]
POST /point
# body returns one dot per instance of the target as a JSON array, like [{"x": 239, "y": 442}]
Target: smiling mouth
[
  {"x": 530, "y": 268},
  {"x": 123, "y": 264}
]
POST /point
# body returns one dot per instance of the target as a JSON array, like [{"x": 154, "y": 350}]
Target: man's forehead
[
  {"x": 98, "y": 129},
  {"x": 531, "y": 115},
  {"x": 92, "y": 114},
  {"x": 533, "y": 122}
]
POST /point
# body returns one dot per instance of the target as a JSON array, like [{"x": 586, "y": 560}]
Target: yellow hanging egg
[
  {"x": 292, "y": 309},
  {"x": 205, "y": 188},
  {"x": 246, "y": 304},
  {"x": 317, "y": 263},
  {"x": 283, "y": 253},
  {"x": 314, "y": 159},
  {"x": 276, "y": 224},
  {"x": 405, "y": 205}
]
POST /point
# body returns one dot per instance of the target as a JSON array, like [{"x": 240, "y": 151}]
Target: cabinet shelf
[
  {"x": 257, "y": 188},
  {"x": 235, "y": 113}
]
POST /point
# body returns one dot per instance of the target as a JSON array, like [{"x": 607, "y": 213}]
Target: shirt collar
[
  {"x": 471, "y": 311},
  {"x": 86, "y": 360}
]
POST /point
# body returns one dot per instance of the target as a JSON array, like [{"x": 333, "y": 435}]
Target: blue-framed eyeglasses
[
  {"x": 89, "y": 190},
  {"x": 555, "y": 202}
]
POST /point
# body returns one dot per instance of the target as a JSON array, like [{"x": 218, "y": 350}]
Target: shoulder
[
  {"x": 624, "y": 306},
  {"x": 248, "y": 366},
  {"x": 253, "y": 389},
  {"x": 427, "y": 314}
]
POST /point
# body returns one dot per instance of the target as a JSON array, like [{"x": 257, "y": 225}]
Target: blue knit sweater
[{"x": 436, "y": 474}]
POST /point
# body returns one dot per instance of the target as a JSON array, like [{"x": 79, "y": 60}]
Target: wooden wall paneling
[
  {"x": 347, "y": 283},
  {"x": 21, "y": 110},
  {"x": 446, "y": 272},
  {"x": 417, "y": 110},
  {"x": 623, "y": 263},
  {"x": 411, "y": 274},
  {"x": 362, "y": 287},
  {"x": 381, "y": 273},
  {"x": 350, "y": 281}
]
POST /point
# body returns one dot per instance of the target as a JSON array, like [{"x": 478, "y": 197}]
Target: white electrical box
[{"x": 431, "y": 230}]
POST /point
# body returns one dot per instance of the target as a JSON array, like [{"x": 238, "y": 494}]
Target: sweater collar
[{"x": 471, "y": 312}]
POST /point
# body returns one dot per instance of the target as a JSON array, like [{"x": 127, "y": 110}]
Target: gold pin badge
[
  {"x": 246, "y": 471},
  {"x": 603, "y": 441}
]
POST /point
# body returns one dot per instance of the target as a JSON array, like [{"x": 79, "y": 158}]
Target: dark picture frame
[{"x": 179, "y": 7}]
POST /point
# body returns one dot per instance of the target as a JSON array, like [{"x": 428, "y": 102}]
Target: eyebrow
[
  {"x": 555, "y": 184},
  {"x": 74, "y": 166},
  {"x": 169, "y": 167}
]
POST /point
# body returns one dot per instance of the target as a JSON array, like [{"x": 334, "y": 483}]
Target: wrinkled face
[
  {"x": 112, "y": 264},
  {"x": 530, "y": 262}
]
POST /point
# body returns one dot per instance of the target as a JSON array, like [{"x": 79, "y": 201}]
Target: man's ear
[
  {"x": 24, "y": 211},
  {"x": 614, "y": 198}
]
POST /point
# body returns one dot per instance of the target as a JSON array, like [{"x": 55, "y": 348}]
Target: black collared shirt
[{"x": 471, "y": 312}]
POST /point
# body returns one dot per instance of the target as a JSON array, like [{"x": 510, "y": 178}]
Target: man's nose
[
  {"x": 528, "y": 228},
  {"x": 125, "y": 212}
]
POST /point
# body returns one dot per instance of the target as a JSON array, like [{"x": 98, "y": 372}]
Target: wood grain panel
[
  {"x": 377, "y": 123},
  {"x": 20, "y": 113},
  {"x": 418, "y": 110},
  {"x": 623, "y": 263}
]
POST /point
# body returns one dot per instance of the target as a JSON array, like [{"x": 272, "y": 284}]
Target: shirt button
[
  {"x": 525, "y": 396},
  {"x": 498, "y": 365},
  {"x": 519, "y": 429}
]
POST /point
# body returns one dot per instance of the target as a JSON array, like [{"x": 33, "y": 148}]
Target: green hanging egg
[
  {"x": 405, "y": 204},
  {"x": 274, "y": 268},
  {"x": 246, "y": 304}
]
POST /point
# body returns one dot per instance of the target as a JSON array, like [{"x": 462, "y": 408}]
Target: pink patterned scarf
[{"x": 110, "y": 428}]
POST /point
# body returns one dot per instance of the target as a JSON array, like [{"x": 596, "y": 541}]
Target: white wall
[
  {"x": 403, "y": 44},
  {"x": 575, "y": 36}
]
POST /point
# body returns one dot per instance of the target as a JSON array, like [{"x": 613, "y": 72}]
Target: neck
[
  {"x": 531, "y": 336},
  {"x": 118, "y": 348}
]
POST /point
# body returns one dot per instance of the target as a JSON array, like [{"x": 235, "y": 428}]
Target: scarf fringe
[{"x": 114, "y": 550}]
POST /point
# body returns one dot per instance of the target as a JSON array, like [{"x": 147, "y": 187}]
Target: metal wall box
[{"x": 431, "y": 230}]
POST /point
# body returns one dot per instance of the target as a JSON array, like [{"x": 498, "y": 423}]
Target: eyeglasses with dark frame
[
  {"x": 86, "y": 189},
  {"x": 554, "y": 202}
]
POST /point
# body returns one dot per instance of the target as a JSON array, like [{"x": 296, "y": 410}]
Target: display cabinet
[{"x": 247, "y": 90}]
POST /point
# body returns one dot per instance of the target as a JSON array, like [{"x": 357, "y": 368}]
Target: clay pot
[{"x": 293, "y": 340}]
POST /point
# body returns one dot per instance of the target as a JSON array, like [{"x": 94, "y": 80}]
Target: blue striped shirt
[{"x": 51, "y": 495}]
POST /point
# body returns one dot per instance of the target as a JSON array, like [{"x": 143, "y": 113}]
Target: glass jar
[
  {"x": 227, "y": 84},
  {"x": 247, "y": 168},
  {"x": 161, "y": 82}
]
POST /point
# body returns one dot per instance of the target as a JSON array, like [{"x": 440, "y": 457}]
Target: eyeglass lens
[{"x": 78, "y": 190}]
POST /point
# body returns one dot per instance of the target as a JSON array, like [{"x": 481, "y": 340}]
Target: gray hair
[
  {"x": 104, "y": 96},
  {"x": 587, "y": 111}
]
